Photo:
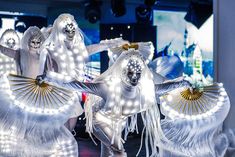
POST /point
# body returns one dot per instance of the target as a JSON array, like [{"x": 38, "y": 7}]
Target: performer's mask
[
  {"x": 69, "y": 31},
  {"x": 11, "y": 43},
  {"x": 133, "y": 72},
  {"x": 35, "y": 43}
]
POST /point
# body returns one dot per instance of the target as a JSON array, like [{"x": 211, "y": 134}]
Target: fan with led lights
[
  {"x": 32, "y": 117},
  {"x": 192, "y": 104},
  {"x": 38, "y": 98}
]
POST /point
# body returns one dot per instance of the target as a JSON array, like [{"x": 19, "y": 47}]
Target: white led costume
[
  {"x": 11, "y": 40},
  {"x": 32, "y": 116},
  {"x": 119, "y": 100},
  {"x": 64, "y": 52},
  {"x": 193, "y": 122}
]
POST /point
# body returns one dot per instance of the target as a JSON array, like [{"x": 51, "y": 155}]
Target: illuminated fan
[
  {"x": 195, "y": 104},
  {"x": 42, "y": 99}
]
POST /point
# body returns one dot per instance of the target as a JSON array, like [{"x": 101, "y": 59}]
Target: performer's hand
[
  {"x": 188, "y": 85},
  {"x": 40, "y": 79}
]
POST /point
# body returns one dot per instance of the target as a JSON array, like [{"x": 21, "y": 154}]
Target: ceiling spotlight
[
  {"x": 20, "y": 26},
  {"x": 118, "y": 7},
  {"x": 143, "y": 14},
  {"x": 92, "y": 11}
]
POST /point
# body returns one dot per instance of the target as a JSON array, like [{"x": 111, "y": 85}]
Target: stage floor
[{"x": 88, "y": 149}]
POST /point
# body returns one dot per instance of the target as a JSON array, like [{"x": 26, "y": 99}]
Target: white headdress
[
  {"x": 57, "y": 37},
  {"x": 31, "y": 32},
  {"x": 146, "y": 50}
]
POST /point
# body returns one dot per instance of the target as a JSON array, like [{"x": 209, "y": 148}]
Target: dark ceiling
[
  {"x": 76, "y": 3},
  {"x": 42, "y": 6}
]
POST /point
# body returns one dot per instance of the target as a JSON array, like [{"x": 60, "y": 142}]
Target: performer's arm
[
  {"x": 168, "y": 86},
  {"x": 105, "y": 45},
  {"x": 71, "y": 84},
  {"x": 94, "y": 48},
  {"x": 8, "y": 52}
]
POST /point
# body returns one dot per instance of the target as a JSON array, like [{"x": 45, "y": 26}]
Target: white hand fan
[
  {"x": 195, "y": 104},
  {"x": 42, "y": 99}
]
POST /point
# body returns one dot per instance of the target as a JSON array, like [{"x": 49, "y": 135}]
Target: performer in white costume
[
  {"x": 193, "y": 122},
  {"x": 125, "y": 89},
  {"x": 64, "y": 52},
  {"x": 9, "y": 39},
  {"x": 32, "y": 115},
  {"x": 27, "y": 56}
]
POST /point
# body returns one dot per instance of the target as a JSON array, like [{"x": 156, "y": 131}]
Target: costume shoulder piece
[{"x": 196, "y": 104}]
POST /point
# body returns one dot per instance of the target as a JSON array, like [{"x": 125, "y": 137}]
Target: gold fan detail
[
  {"x": 44, "y": 96},
  {"x": 184, "y": 102},
  {"x": 188, "y": 95}
]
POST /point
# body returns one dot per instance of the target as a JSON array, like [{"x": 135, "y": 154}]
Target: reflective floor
[{"x": 88, "y": 149}]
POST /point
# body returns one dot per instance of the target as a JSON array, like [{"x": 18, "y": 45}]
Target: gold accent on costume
[
  {"x": 42, "y": 85},
  {"x": 188, "y": 95},
  {"x": 132, "y": 45}
]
